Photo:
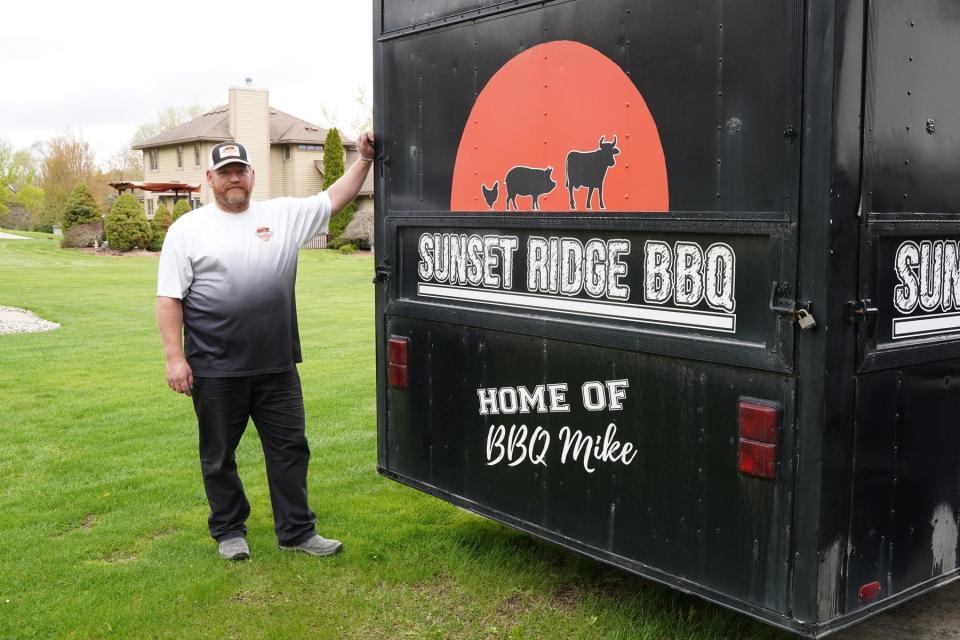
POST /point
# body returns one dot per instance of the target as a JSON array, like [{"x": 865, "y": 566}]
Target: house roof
[{"x": 214, "y": 125}]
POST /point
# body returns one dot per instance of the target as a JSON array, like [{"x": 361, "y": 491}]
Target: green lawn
[{"x": 103, "y": 517}]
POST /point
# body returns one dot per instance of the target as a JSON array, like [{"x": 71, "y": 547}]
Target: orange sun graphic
[{"x": 543, "y": 129}]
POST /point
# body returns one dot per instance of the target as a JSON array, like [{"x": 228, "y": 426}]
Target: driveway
[{"x": 932, "y": 616}]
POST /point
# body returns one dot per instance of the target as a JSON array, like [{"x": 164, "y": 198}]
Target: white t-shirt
[{"x": 234, "y": 274}]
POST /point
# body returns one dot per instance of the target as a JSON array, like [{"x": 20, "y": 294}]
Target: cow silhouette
[
  {"x": 492, "y": 194},
  {"x": 589, "y": 169},
  {"x": 528, "y": 181}
]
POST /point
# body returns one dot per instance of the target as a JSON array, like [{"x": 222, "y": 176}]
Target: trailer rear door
[
  {"x": 905, "y": 502},
  {"x": 577, "y": 372}
]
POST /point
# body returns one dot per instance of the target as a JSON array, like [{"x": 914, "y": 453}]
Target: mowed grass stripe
[{"x": 103, "y": 518}]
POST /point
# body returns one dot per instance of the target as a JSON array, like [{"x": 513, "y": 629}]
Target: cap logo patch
[{"x": 229, "y": 151}]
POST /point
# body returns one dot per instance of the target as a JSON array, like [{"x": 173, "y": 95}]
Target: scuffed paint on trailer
[{"x": 944, "y": 543}]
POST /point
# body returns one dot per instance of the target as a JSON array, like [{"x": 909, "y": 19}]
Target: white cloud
[{"x": 101, "y": 69}]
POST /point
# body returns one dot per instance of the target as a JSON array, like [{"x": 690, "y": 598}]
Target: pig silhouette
[{"x": 528, "y": 181}]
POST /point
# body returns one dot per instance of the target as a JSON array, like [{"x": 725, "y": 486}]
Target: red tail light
[
  {"x": 397, "y": 361},
  {"x": 757, "y": 459},
  {"x": 758, "y": 421},
  {"x": 869, "y": 591}
]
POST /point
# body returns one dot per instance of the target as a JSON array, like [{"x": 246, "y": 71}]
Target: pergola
[{"x": 157, "y": 187}]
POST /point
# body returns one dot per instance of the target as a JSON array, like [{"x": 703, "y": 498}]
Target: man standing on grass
[{"x": 226, "y": 287}]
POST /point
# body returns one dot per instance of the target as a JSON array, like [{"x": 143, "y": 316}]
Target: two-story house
[{"x": 286, "y": 152}]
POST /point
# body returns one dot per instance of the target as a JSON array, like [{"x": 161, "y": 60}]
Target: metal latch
[
  {"x": 382, "y": 272},
  {"x": 797, "y": 310},
  {"x": 860, "y": 310}
]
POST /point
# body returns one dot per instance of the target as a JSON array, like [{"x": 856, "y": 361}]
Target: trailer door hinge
[
  {"x": 798, "y": 311},
  {"x": 860, "y": 310}
]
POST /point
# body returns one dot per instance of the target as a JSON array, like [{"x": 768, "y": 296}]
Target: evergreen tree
[
  {"x": 180, "y": 208},
  {"x": 332, "y": 158},
  {"x": 127, "y": 225},
  {"x": 80, "y": 208},
  {"x": 332, "y": 170},
  {"x": 158, "y": 227}
]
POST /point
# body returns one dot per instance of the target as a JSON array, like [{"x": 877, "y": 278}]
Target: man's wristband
[{"x": 367, "y": 160}]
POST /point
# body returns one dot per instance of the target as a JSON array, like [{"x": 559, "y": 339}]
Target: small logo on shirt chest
[{"x": 264, "y": 233}]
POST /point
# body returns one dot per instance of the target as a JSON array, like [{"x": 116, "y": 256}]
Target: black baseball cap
[{"x": 226, "y": 153}]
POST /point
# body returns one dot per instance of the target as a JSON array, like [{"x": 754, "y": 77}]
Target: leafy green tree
[
  {"x": 127, "y": 225},
  {"x": 180, "y": 208},
  {"x": 20, "y": 209},
  {"x": 67, "y": 161},
  {"x": 158, "y": 227},
  {"x": 17, "y": 168},
  {"x": 21, "y": 200},
  {"x": 80, "y": 208},
  {"x": 332, "y": 170}
]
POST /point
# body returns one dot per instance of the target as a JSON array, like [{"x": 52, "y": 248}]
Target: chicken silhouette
[{"x": 491, "y": 195}]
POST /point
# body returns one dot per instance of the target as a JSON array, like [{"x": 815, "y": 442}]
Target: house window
[
  {"x": 310, "y": 147},
  {"x": 180, "y": 157},
  {"x": 149, "y": 208},
  {"x": 153, "y": 159},
  {"x": 196, "y": 155},
  {"x": 195, "y": 203},
  {"x": 286, "y": 152}
]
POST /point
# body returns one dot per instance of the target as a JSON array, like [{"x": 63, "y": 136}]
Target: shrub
[
  {"x": 335, "y": 243},
  {"x": 127, "y": 225},
  {"x": 81, "y": 208},
  {"x": 83, "y": 235},
  {"x": 340, "y": 221},
  {"x": 158, "y": 227},
  {"x": 347, "y": 249},
  {"x": 180, "y": 207}
]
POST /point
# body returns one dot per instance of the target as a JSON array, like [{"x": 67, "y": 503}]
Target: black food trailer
[{"x": 676, "y": 285}]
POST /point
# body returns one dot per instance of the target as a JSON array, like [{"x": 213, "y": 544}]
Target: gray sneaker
[
  {"x": 317, "y": 546},
  {"x": 234, "y": 549}
]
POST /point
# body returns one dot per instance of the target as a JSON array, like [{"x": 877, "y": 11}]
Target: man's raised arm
[{"x": 347, "y": 187}]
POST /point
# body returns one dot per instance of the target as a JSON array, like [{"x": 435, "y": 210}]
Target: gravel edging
[{"x": 14, "y": 320}]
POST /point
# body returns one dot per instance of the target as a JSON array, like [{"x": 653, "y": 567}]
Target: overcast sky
[{"x": 101, "y": 69}]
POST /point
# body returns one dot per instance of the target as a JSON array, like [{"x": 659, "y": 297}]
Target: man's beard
[{"x": 235, "y": 197}]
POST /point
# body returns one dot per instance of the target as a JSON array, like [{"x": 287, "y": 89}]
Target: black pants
[{"x": 275, "y": 402}]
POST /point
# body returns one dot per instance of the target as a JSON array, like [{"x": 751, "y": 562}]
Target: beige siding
[
  {"x": 167, "y": 171},
  {"x": 364, "y": 203},
  {"x": 250, "y": 126},
  {"x": 282, "y": 177},
  {"x": 276, "y": 171},
  {"x": 307, "y": 180}
]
